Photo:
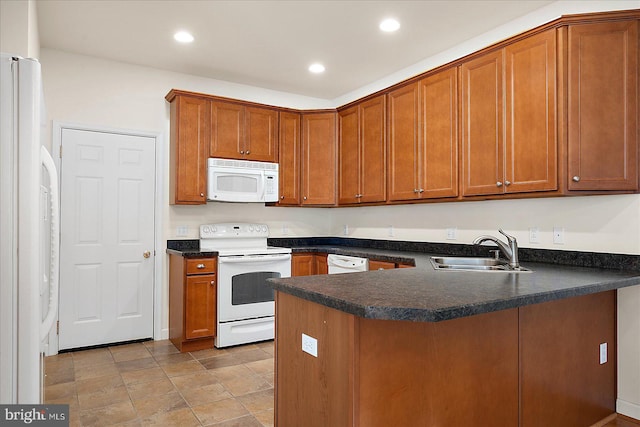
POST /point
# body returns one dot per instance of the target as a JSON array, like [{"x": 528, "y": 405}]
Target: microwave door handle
[
  {"x": 263, "y": 178},
  {"x": 248, "y": 259}
]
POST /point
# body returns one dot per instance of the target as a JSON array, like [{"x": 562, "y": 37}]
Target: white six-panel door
[{"x": 107, "y": 238}]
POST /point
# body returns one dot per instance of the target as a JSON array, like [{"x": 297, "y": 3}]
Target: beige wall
[{"x": 19, "y": 28}]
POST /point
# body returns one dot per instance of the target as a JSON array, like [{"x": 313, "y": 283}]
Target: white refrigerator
[{"x": 29, "y": 224}]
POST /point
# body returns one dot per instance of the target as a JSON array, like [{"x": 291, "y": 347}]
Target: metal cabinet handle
[
  {"x": 576, "y": 178},
  {"x": 146, "y": 254},
  {"x": 200, "y": 266},
  {"x": 498, "y": 184},
  {"x": 281, "y": 197},
  {"x": 241, "y": 151},
  {"x": 201, "y": 194},
  {"x": 507, "y": 183},
  {"x": 421, "y": 190},
  {"x": 304, "y": 198},
  {"x": 213, "y": 282},
  {"x": 415, "y": 190},
  {"x": 247, "y": 152}
]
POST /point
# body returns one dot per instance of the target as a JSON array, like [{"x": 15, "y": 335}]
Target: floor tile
[
  {"x": 208, "y": 353},
  {"x": 143, "y": 375},
  {"x": 60, "y": 393},
  {"x": 136, "y": 364},
  {"x": 259, "y": 401},
  {"x": 265, "y": 417},
  {"x": 205, "y": 394},
  {"x": 216, "y": 412},
  {"x": 253, "y": 356},
  {"x": 245, "y": 385},
  {"x": 246, "y": 421},
  {"x": 113, "y": 414},
  {"x": 194, "y": 380},
  {"x": 229, "y": 359},
  {"x": 98, "y": 384},
  {"x": 103, "y": 398},
  {"x": 182, "y": 368},
  {"x": 129, "y": 352},
  {"x": 169, "y": 359},
  {"x": 62, "y": 375},
  {"x": 265, "y": 366},
  {"x": 93, "y": 357},
  {"x": 152, "y": 388},
  {"x": 154, "y": 405},
  {"x": 181, "y": 417},
  {"x": 86, "y": 372}
]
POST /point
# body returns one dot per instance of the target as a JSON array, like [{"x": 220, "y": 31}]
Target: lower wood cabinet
[
  {"x": 192, "y": 302},
  {"x": 381, "y": 265},
  {"x": 536, "y": 365},
  {"x": 308, "y": 264}
]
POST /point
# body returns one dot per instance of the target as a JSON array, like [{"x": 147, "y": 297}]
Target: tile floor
[{"x": 152, "y": 384}]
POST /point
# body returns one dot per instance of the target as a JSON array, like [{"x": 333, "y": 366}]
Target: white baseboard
[{"x": 627, "y": 408}]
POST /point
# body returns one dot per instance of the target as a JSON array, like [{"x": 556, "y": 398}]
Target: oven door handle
[{"x": 253, "y": 259}]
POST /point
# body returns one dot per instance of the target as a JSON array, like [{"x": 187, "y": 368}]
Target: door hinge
[{"x": 57, "y": 327}]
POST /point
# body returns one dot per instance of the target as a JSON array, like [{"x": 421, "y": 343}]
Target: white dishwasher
[{"x": 346, "y": 264}]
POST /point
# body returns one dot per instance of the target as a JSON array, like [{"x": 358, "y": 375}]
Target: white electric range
[{"x": 246, "y": 308}]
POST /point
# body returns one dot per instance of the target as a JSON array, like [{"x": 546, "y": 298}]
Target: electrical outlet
[
  {"x": 452, "y": 233},
  {"x": 391, "y": 231},
  {"x": 558, "y": 235},
  {"x": 310, "y": 345},
  {"x": 182, "y": 231},
  {"x": 534, "y": 235},
  {"x": 603, "y": 353},
  {"x": 345, "y": 230}
]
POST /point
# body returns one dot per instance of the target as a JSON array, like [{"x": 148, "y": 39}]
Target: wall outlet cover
[{"x": 310, "y": 345}]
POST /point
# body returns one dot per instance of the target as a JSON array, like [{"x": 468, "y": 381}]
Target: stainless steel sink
[{"x": 474, "y": 264}]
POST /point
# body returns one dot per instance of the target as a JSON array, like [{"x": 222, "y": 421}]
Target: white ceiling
[{"x": 270, "y": 44}]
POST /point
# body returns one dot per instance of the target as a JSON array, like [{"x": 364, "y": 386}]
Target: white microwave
[{"x": 241, "y": 181}]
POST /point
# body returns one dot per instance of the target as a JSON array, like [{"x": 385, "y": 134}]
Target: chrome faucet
[{"x": 510, "y": 249}]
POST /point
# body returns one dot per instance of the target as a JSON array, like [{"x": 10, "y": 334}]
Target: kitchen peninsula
[{"x": 420, "y": 347}]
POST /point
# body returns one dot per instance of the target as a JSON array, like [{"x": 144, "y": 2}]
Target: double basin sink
[{"x": 474, "y": 264}]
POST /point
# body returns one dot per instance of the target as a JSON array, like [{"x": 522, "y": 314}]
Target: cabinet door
[
  {"x": 200, "y": 306},
  {"x": 261, "y": 138},
  {"x": 403, "y": 143},
  {"x": 189, "y": 141},
  {"x": 531, "y": 141},
  {"x": 289, "y": 158},
  {"x": 439, "y": 134},
  {"x": 227, "y": 130},
  {"x": 603, "y": 106},
  {"x": 381, "y": 265},
  {"x": 321, "y": 264},
  {"x": 303, "y": 265},
  {"x": 482, "y": 125},
  {"x": 319, "y": 159},
  {"x": 348, "y": 156},
  {"x": 372, "y": 150}
]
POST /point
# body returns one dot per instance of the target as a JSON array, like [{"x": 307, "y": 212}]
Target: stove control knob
[{"x": 251, "y": 228}]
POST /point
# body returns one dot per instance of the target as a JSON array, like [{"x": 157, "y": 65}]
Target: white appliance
[
  {"x": 246, "y": 308},
  {"x": 241, "y": 181},
  {"x": 29, "y": 220},
  {"x": 346, "y": 264}
]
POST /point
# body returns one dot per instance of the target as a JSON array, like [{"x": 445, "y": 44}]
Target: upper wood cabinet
[
  {"x": 243, "y": 132},
  {"x": 289, "y": 156},
  {"x": 190, "y": 131},
  {"x": 509, "y": 141},
  {"x": 423, "y": 138},
  {"x": 361, "y": 153},
  {"x": 319, "y": 159},
  {"x": 603, "y": 106}
]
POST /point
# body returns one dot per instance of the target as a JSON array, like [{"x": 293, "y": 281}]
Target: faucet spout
[{"x": 509, "y": 249}]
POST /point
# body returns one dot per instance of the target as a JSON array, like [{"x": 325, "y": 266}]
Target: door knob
[
  {"x": 498, "y": 184},
  {"x": 146, "y": 254},
  {"x": 576, "y": 178}
]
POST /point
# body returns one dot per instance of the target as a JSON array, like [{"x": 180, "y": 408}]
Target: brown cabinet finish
[
  {"x": 438, "y": 134},
  {"x": 509, "y": 133},
  {"x": 531, "y": 147},
  {"x": 361, "y": 153},
  {"x": 307, "y": 264},
  {"x": 403, "y": 143},
  {"x": 562, "y": 382},
  {"x": 289, "y": 159},
  {"x": 603, "y": 106},
  {"x": 482, "y": 124},
  {"x": 381, "y": 265},
  {"x": 531, "y": 366},
  {"x": 319, "y": 159},
  {"x": 243, "y": 132},
  {"x": 190, "y": 133},
  {"x": 192, "y": 302}
]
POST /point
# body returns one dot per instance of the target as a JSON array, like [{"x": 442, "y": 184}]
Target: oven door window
[{"x": 251, "y": 288}]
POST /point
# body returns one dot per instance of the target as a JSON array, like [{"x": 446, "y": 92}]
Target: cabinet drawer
[{"x": 201, "y": 265}]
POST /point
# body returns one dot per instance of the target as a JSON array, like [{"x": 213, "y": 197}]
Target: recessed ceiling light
[
  {"x": 316, "y": 68},
  {"x": 183, "y": 37},
  {"x": 389, "y": 25}
]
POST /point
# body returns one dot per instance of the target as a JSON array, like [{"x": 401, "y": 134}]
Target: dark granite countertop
[{"x": 426, "y": 295}]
